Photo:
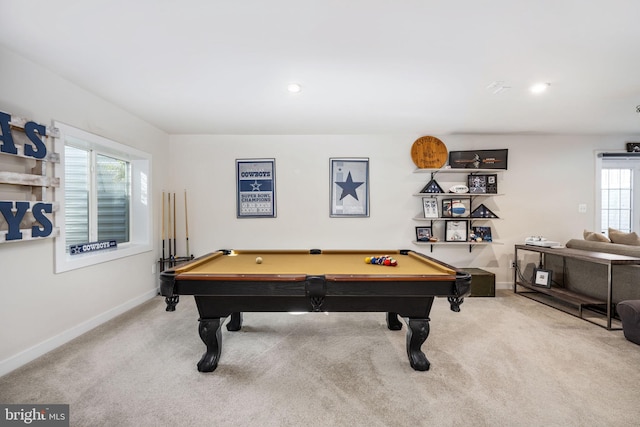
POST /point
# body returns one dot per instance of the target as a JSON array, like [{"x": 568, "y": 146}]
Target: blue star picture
[{"x": 349, "y": 187}]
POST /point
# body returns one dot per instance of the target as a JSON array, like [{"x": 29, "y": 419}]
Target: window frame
[
  {"x": 140, "y": 232},
  {"x": 624, "y": 161}
]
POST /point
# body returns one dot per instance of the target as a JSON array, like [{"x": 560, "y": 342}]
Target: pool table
[{"x": 229, "y": 282}]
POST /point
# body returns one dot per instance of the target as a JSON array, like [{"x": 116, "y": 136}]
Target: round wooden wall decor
[{"x": 428, "y": 152}]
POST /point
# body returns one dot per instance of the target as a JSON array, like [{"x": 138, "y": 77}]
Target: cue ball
[{"x": 258, "y": 260}]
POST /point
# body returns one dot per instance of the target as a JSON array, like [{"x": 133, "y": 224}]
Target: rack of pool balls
[{"x": 381, "y": 260}]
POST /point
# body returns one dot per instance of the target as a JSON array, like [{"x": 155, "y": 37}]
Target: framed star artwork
[
  {"x": 349, "y": 187},
  {"x": 256, "y": 188}
]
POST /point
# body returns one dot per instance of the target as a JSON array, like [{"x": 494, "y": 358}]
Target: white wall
[
  {"x": 547, "y": 178},
  {"x": 39, "y": 309}
]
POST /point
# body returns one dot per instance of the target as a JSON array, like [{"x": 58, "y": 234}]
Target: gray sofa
[{"x": 591, "y": 279}]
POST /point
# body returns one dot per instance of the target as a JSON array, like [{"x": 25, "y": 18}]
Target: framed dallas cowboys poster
[
  {"x": 349, "y": 187},
  {"x": 256, "y": 188}
]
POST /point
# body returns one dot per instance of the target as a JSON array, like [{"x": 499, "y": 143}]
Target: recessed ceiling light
[
  {"x": 539, "y": 87},
  {"x": 294, "y": 87}
]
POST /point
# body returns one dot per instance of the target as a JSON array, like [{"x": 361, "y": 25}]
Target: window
[
  {"x": 96, "y": 207},
  {"x": 616, "y": 208},
  {"x": 106, "y": 197},
  {"x": 619, "y": 176}
]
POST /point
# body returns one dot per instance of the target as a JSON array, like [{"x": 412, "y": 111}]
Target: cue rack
[{"x": 169, "y": 233}]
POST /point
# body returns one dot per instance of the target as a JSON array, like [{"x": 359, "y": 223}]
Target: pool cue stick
[
  {"x": 175, "y": 235},
  {"x": 186, "y": 223},
  {"x": 163, "y": 226},
  {"x": 169, "y": 224}
]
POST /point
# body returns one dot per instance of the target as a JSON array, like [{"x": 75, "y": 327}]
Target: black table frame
[{"x": 410, "y": 299}]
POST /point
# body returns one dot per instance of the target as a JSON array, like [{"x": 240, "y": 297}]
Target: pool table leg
[
  {"x": 172, "y": 301},
  {"x": 418, "y": 331},
  {"x": 211, "y": 335},
  {"x": 235, "y": 323},
  {"x": 393, "y": 323}
]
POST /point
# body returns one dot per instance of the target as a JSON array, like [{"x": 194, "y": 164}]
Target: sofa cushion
[
  {"x": 592, "y": 236},
  {"x": 612, "y": 248},
  {"x": 621, "y": 237}
]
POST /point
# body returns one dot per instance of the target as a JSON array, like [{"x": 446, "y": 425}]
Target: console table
[{"x": 567, "y": 296}]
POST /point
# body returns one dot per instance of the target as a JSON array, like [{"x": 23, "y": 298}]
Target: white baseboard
[
  {"x": 504, "y": 285},
  {"x": 30, "y": 354}
]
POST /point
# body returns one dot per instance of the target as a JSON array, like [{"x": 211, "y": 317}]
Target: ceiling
[{"x": 365, "y": 66}]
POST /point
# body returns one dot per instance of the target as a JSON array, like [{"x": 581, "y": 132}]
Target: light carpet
[{"x": 504, "y": 361}]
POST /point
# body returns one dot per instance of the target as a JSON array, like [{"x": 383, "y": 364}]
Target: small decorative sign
[
  {"x": 92, "y": 247},
  {"x": 26, "y": 140},
  {"x": 429, "y": 152},
  {"x": 542, "y": 277}
]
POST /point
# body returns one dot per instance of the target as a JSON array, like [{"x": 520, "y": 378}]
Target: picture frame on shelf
[
  {"x": 481, "y": 234},
  {"x": 478, "y": 159},
  {"x": 423, "y": 234},
  {"x": 482, "y": 184},
  {"x": 455, "y": 231},
  {"x": 456, "y": 208},
  {"x": 542, "y": 277},
  {"x": 430, "y": 207}
]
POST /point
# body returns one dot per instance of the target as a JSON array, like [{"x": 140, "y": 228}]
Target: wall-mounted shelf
[
  {"x": 474, "y": 201},
  {"x": 465, "y": 195},
  {"x": 458, "y": 170},
  {"x": 455, "y": 243},
  {"x": 448, "y": 218}
]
